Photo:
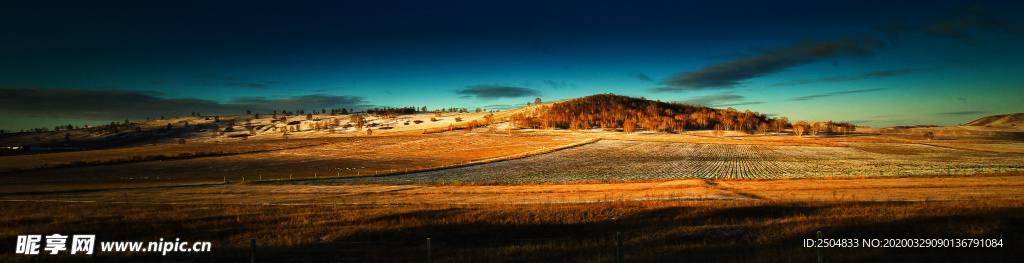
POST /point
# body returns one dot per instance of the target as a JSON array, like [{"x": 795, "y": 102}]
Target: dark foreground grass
[{"x": 699, "y": 231}]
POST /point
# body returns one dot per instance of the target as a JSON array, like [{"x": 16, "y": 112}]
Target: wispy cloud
[
  {"x": 712, "y": 99},
  {"x": 974, "y": 18},
  {"x": 960, "y": 27},
  {"x": 834, "y": 94},
  {"x": 300, "y": 102},
  {"x": 872, "y": 75},
  {"x": 496, "y": 91},
  {"x": 721, "y": 100},
  {"x": 961, "y": 113},
  {"x": 116, "y": 104},
  {"x": 500, "y": 107},
  {"x": 210, "y": 79},
  {"x": 767, "y": 61},
  {"x": 893, "y": 30},
  {"x": 559, "y": 84},
  {"x": 740, "y": 104},
  {"x": 244, "y": 84},
  {"x": 641, "y": 76}
]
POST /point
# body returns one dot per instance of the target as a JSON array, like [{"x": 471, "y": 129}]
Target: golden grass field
[
  {"x": 269, "y": 159},
  {"x": 144, "y": 193}
]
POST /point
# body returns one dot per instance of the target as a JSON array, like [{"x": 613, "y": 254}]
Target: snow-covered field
[{"x": 615, "y": 160}]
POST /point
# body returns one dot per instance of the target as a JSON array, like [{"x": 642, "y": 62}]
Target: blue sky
[{"x": 873, "y": 63}]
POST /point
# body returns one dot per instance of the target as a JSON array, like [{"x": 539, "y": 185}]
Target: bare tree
[
  {"x": 780, "y": 124},
  {"x": 215, "y": 130},
  {"x": 815, "y": 128},
  {"x": 628, "y": 126},
  {"x": 719, "y": 130},
  {"x": 763, "y": 128},
  {"x": 359, "y": 120},
  {"x": 799, "y": 128},
  {"x": 847, "y": 128}
]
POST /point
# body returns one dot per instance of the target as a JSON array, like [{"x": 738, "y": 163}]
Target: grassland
[
  {"x": 998, "y": 186},
  {"x": 654, "y": 231},
  {"x": 164, "y": 165},
  {"x": 496, "y": 197},
  {"x": 613, "y": 160}
]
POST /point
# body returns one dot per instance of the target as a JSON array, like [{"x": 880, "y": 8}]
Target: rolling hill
[{"x": 1011, "y": 122}]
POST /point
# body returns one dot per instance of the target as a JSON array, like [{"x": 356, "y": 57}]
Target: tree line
[{"x": 612, "y": 112}]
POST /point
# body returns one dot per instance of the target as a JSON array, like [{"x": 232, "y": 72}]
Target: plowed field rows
[{"x": 612, "y": 160}]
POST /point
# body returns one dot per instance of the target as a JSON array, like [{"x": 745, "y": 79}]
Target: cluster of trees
[
  {"x": 341, "y": 111},
  {"x": 391, "y": 112},
  {"x": 488, "y": 120},
  {"x": 321, "y": 125},
  {"x": 830, "y": 127},
  {"x": 453, "y": 110},
  {"x": 359, "y": 121},
  {"x": 115, "y": 127},
  {"x": 47, "y": 129},
  {"x": 610, "y": 112}
]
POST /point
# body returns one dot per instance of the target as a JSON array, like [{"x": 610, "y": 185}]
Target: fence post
[
  {"x": 821, "y": 250},
  {"x": 252, "y": 250},
  {"x": 618, "y": 247},
  {"x": 430, "y": 258}
]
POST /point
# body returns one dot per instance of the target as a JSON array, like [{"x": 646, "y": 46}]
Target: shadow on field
[
  {"x": 772, "y": 233},
  {"x": 79, "y": 191},
  {"x": 712, "y": 231}
]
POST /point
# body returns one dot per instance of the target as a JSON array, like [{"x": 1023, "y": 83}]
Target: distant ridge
[{"x": 1013, "y": 119}]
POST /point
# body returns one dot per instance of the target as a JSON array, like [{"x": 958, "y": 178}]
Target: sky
[{"x": 871, "y": 63}]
